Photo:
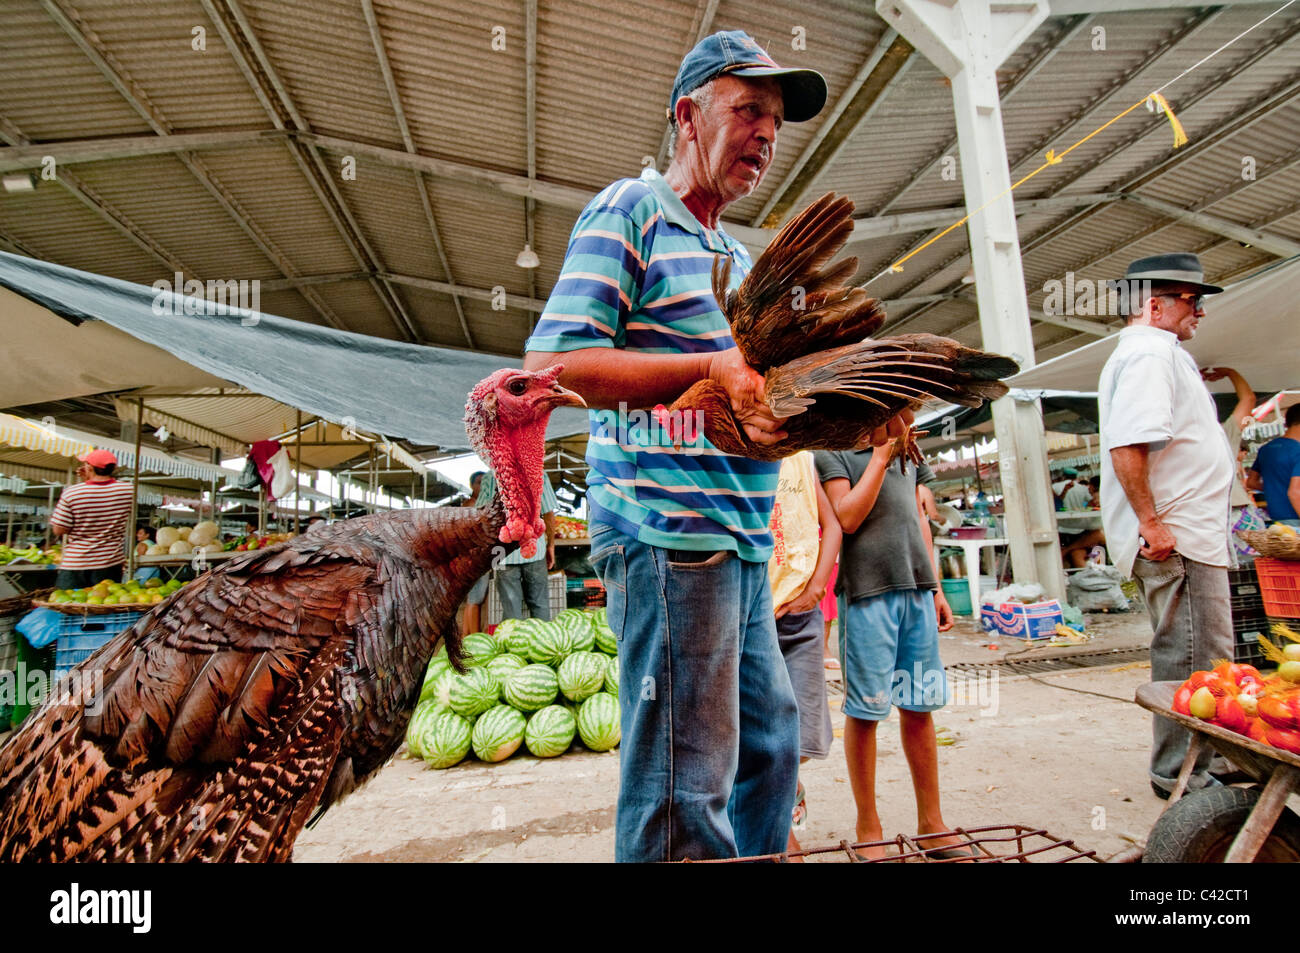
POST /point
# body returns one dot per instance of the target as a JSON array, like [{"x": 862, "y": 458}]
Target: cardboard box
[{"x": 1036, "y": 620}]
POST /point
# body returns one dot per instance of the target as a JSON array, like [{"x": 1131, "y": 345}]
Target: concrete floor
[{"x": 1036, "y": 753}]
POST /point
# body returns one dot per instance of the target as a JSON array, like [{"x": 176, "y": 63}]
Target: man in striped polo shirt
[
  {"x": 92, "y": 515},
  {"x": 709, "y": 756}
]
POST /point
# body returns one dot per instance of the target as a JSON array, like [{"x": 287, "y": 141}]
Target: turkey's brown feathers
[{"x": 247, "y": 701}]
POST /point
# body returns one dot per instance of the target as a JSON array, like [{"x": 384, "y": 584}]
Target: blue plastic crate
[{"x": 80, "y": 636}]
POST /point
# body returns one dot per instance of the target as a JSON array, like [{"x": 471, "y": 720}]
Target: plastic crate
[
  {"x": 80, "y": 637},
  {"x": 1279, "y": 585},
  {"x": 1243, "y": 590},
  {"x": 8, "y": 643}
]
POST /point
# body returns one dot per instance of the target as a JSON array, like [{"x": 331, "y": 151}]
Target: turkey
[
  {"x": 795, "y": 322},
  {"x": 254, "y": 698}
]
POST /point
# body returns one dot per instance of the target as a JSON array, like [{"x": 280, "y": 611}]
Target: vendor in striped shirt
[
  {"x": 679, "y": 534},
  {"x": 92, "y": 516}
]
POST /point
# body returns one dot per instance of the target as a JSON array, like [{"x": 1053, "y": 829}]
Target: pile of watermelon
[{"x": 530, "y": 684}]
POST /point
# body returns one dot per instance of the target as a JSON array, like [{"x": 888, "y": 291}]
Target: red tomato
[
  {"x": 1228, "y": 713},
  {"x": 1181, "y": 698},
  {"x": 1257, "y": 730},
  {"x": 1279, "y": 713},
  {"x": 1286, "y": 740}
]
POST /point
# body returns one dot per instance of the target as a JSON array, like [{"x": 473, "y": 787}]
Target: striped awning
[{"x": 19, "y": 433}]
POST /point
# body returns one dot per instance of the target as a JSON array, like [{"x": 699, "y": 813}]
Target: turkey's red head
[{"x": 505, "y": 419}]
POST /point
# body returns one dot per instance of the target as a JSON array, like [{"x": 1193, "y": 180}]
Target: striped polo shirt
[
  {"x": 637, "y": 276},
  {"x": 95, "y": 515}
]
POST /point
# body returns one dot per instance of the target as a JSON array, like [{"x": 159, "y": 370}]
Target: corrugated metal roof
[{"x": 603, "y": 73}]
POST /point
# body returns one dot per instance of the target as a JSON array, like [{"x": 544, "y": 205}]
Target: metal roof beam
[
  {"x": 243, "y": 45},
  {"x": 1031, "y": 69},
  {"x": 381, "y": 53},
  {"x": 530, "y": 122},
  {"x": 1273, "y": 244},
  {"x": 17, "y": 158},
  {"x": 704, "y": 14},
  {"x": 102, "y": 58},
  {"x": 884, "y": 65},
  {"x": 1064, "y": 7}
]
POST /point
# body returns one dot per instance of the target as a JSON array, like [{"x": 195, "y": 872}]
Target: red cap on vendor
[{"x": 99, "y": 458}]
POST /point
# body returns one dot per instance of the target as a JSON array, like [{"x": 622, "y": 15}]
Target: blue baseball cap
[{"x": 735, "y": 53}]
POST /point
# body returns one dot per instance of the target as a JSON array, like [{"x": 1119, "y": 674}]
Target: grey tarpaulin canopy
[
  {"x": 1254, "y": 326},
  {"x": 400, "y": 390}
]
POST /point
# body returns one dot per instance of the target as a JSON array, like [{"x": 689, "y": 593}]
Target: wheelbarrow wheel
[{"x": 1201, "y": 826}]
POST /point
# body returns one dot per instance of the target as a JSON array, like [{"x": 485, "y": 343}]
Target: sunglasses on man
[{"x": 1195, "y": 300}]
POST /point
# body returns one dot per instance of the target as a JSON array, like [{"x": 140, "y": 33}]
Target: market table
[
  {"x": 180, "y": 561},
  {"x": 1078, "y": 520},
  {"x": 971, "y": 551}
]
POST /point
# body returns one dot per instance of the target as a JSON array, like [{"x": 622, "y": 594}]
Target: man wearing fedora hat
[
  {"x": 1165, "y": 481},
  {"x": 92, "y": 515},
  {"x": 679, "y": 534}
]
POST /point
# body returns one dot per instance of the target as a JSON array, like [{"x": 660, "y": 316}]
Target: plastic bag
[
  {"x": 40, "y": 627},
  {"x": 1096, "y": 589}
]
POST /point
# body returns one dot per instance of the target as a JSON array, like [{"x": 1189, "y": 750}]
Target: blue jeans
[
  {"x": 517, "y": 585},
  {"x": 1191, "y": 620},
  {"x": 710, "y": 753}
]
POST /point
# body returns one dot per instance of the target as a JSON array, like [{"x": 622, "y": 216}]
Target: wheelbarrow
[{"x": 1230, "y": 824}]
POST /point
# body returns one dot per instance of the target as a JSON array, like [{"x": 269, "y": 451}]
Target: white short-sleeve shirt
[{"x": 1151, "y": 392}]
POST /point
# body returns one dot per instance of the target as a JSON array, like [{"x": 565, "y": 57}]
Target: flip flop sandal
[
  {"x": 831, "y": 664},
  {"x": 800, "y": 813},
  {"x": 964, "y": 852}
]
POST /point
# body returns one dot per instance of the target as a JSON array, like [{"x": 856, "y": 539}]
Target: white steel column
[{"x": 967, "y": 40}]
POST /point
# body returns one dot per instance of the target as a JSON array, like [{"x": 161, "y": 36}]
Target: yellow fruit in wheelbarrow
[
  {"x": 1289, "y": 671},
  {"x": 1203, "y": 704}
]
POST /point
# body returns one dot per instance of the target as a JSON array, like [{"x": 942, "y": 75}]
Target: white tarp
[{"x": 1254, "y": 327}]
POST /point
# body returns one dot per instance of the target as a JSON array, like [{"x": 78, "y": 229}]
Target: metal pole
[
  {"x": 297, "y": 477},
  {"x": 135, "y": 491}
]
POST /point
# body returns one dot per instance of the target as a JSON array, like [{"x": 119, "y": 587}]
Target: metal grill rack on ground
[{"x": 996, "y": 844}]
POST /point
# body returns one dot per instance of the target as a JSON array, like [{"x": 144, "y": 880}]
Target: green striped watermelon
[
  {"x": 531, "y": 688},
  {"x": 549, "y": 643},
  {"x": 577, "y": 625},
  {"x": 513, "y": 635},
  {"x": 438, "y": 689},
  {"x": 472, "y": 693},
  {"x": 413, "y": 727},
  {"x": 498, "y": 733},
  {"x": 611, "y": 676},
  {"x": 606, "y": 640},
  {"x": 480, "y": 648},
  {"x": 444, "y": 738},
  {"x": 550, "y": 731},
  {"x": 582, "y": 674},
  {"x": 503, "y": 665},
  {"x": 436, "y": 667},
  {"x": 598, "y": 724}
]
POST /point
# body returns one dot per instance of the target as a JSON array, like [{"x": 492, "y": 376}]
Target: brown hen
[{"x": 795, "y": 322}]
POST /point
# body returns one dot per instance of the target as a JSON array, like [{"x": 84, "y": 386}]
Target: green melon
[
  {"x": 606, "y": 640},
  {"x": 513, "y": 635},
  {"x": 498, "y": 733},
  {"x": 550, "y": 731},
  {"x": 413, "y": 727},
  {"x": 503, "y": 665},
  {"x": 611, "y": 676},
  {"x": 531, "y": 688},
  {"x": 577, "y": 625},
  {"x": 473, "y": 693},
  {"x": 582, "y": 674},
  {"x": 438, "y": 689},
  {"x": 437, "y": 667},
  {"x": 549, "y": 644},
  {"x": 445, "y": 738},
  {"x": 598, "y": 722},
  {"x": 480, "y": 648}
]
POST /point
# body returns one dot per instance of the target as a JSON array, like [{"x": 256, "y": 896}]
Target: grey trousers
[
  {"x": 517, "y": 585},
  {"x": 1191, "y": 618}
]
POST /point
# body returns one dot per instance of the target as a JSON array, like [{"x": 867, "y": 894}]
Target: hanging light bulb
[{"x": 527, "y": 258}]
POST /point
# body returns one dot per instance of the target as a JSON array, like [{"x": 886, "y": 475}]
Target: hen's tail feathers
[{"x": 891, "y": 374}]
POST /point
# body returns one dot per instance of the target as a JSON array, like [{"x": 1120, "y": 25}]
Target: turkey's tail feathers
[{"x": 903, "y": 371}]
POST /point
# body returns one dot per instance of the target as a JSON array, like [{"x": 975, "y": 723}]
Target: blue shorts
[{"x": 889, "y": 652}]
